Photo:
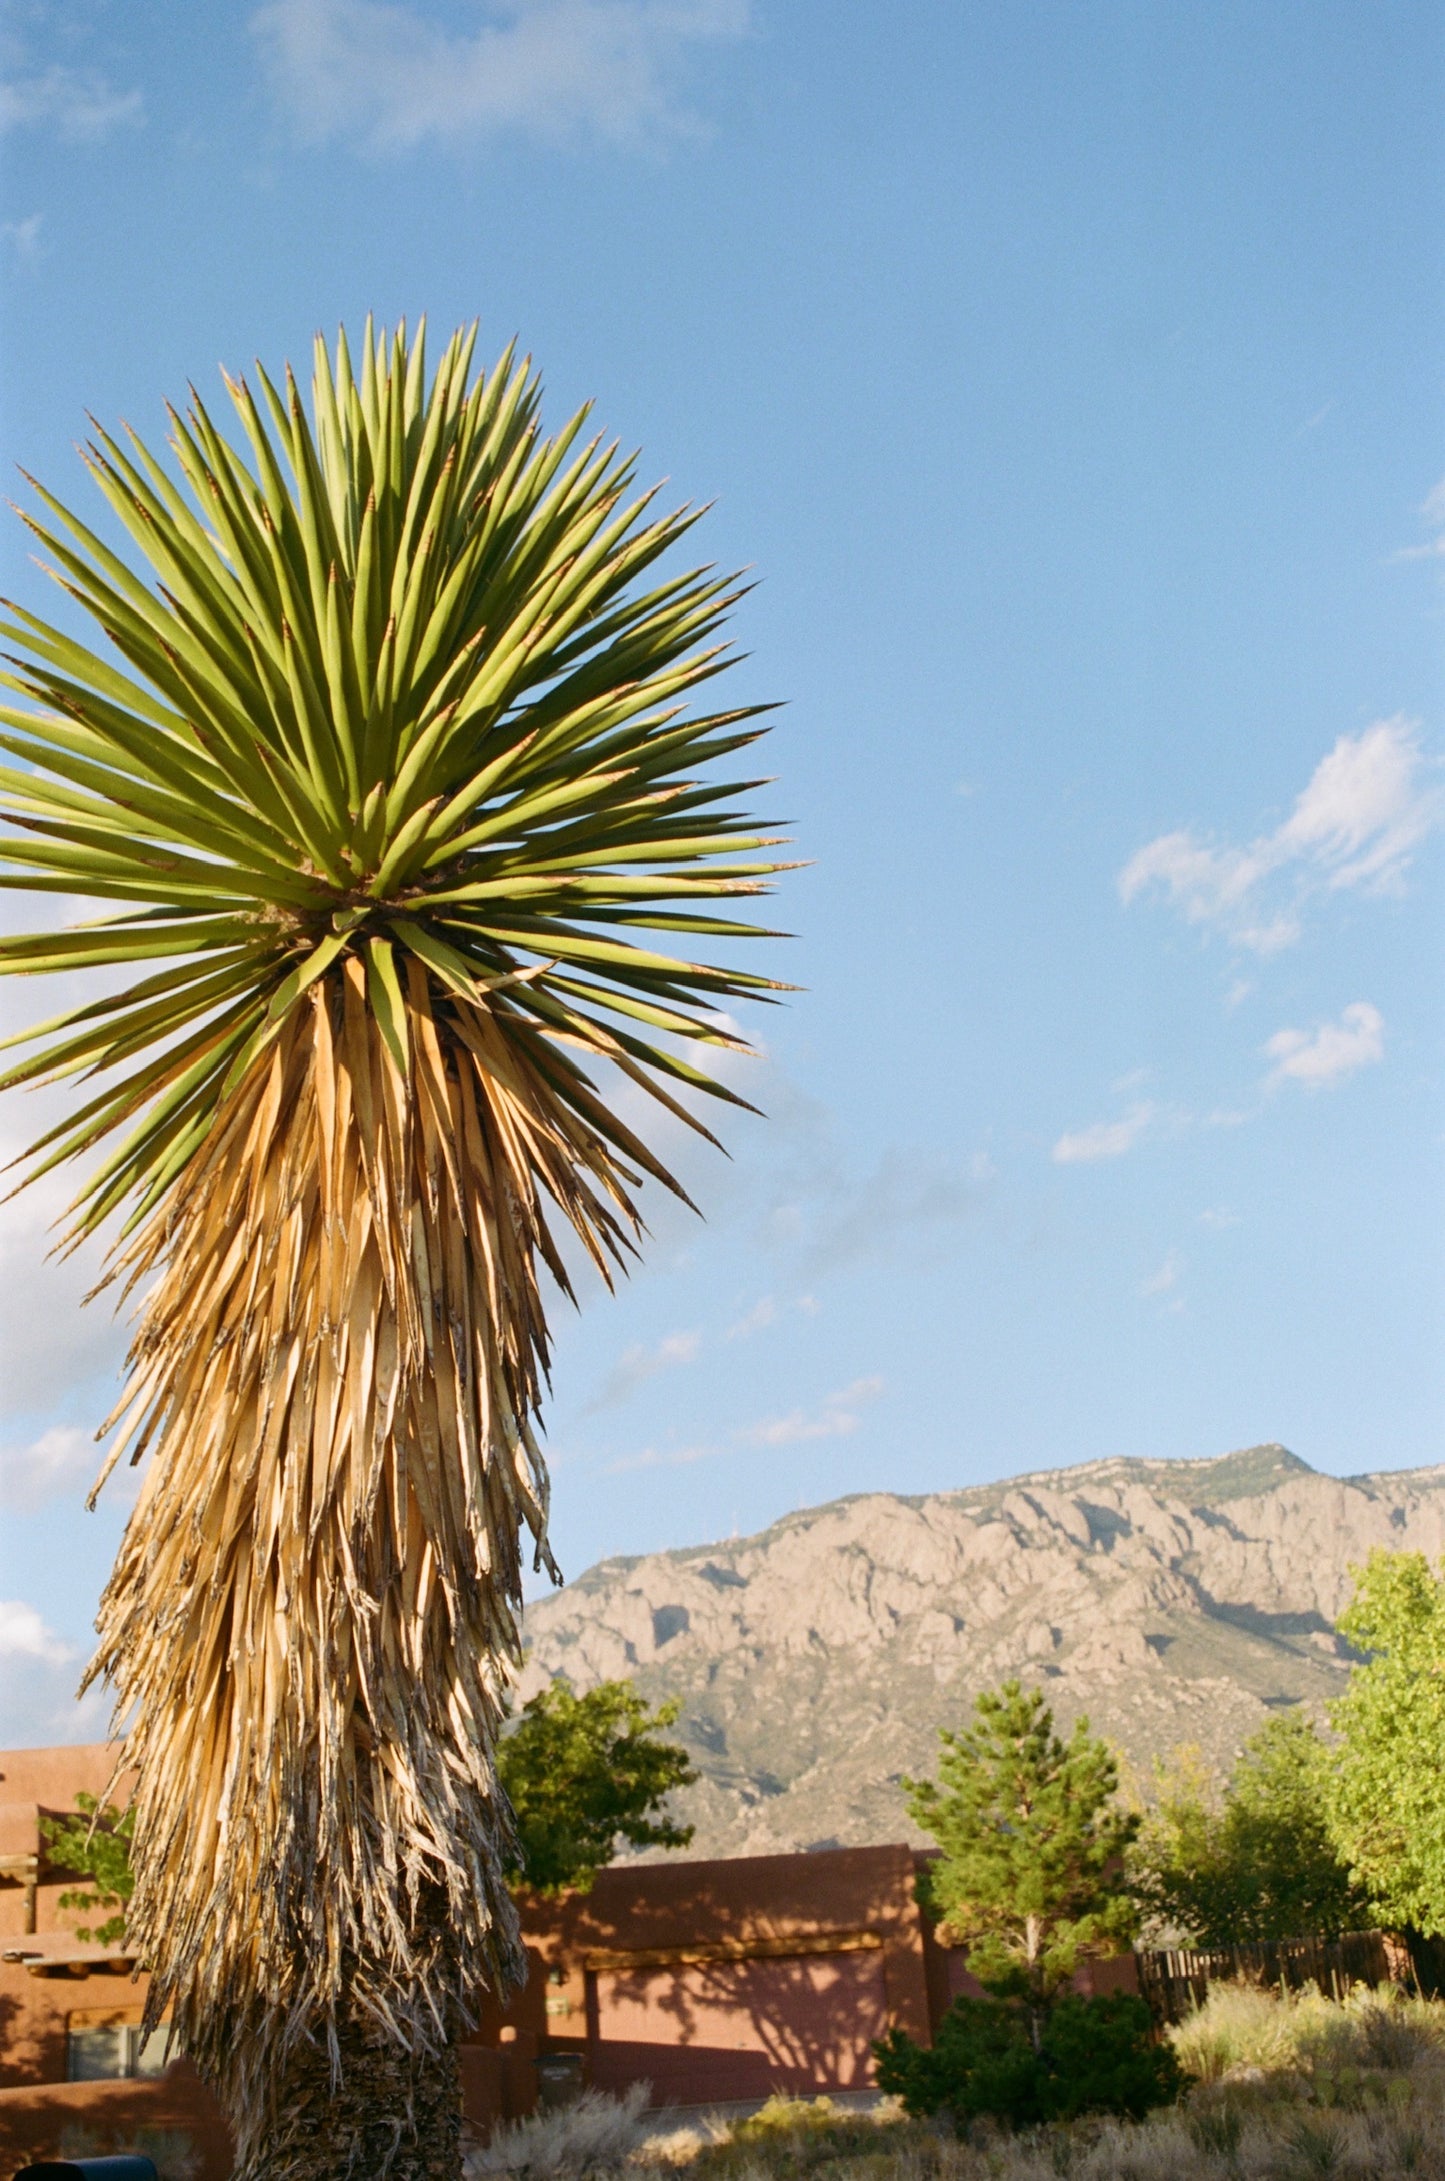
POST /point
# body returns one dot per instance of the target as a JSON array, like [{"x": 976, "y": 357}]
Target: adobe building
[{"x": 712, "y": 1981}]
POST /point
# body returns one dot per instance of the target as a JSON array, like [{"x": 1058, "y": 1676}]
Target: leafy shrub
[
  {"x": 582, "y": 1773},
  {"x": 1094, "y": 2056},
  {"x": 980, "y": 2062},
  {"x": 1261, "y": 1863},
  {"x": 98, "y": 1842},
  {"x": 1102, "y": 2058}
]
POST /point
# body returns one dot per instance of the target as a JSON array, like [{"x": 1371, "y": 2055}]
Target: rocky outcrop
[{"x": 1173, "y": 1602}]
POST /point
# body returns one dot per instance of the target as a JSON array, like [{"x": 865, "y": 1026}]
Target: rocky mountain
[{"x": 1173, "y": 1602}]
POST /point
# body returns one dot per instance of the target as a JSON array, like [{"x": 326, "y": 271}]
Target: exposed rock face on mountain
[{"x": 1173, "y": 1602}]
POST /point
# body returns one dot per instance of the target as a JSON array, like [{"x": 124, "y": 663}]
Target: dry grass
[
  {"x": 1286, "y": 2089},
  {"x": 1242, "y": 2030},
  {"x": 594, "y": 2134}
]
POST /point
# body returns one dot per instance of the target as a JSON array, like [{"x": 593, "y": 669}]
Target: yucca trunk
[
  {"x": 317, "y": 1590},
  {"x": 382, "y": 2110},
  {"x": 389, "y": 2112}
]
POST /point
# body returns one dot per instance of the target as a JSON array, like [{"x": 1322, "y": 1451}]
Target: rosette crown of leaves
[{"x": 409, "y": 690}]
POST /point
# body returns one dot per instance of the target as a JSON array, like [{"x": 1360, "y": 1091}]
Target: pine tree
[{"x": 1030, "y": 1879}]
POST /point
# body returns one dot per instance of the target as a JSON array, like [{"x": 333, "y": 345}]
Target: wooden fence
[{"x": 1176, "y": 1980}]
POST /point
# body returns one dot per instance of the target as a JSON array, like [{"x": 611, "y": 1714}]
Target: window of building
[{"x": 111, "y": 2051}]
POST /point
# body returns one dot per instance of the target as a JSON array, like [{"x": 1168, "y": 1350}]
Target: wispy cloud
[
  {"x": 393, "y": 76},
  {"x": 77, "y": 103},
  {"x": 652, "y": 1457},
  {"x": 1105, "y": 1139},
  {"x": 636, "y": 1365},
  {"x": 23, "y": 236},
  {"x": 757, "y": 1320},
  {"x": 1329, "y": 1052},
  {"x": 837, "y": 1218},
  {"x": 1166, "y": 1277},
  {"x": 1368, "y": 806},
  {"x": 1432, "y": 515},
  {"x": 839, "y": 1415},
  {"x": 1313, "y": 422},
  {"x": 1218, "y": 1217}
]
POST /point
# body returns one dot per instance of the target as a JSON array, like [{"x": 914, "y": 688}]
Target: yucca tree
[{"x": 385, "y": 782}]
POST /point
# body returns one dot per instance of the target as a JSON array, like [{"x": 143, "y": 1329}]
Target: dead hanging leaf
[{"x": 335, "y": 1372}]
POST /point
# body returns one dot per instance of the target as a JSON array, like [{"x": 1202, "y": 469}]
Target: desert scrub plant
[
  {"x": 1239, "y": 2026},
  {"x": 1347, "y": 2051},
  {"x": 1382, "y": 2030},
  {"x": 792, "y": 2136},
  {"x": 594, "y": 2134}
]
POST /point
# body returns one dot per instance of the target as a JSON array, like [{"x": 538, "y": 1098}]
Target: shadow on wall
[
  {"x": 730, "y": 1979},
  {"x": 740, "y": 2028}
]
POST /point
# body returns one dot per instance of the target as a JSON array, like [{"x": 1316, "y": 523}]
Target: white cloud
[
  {"x": 38, "y": 1673},
  {"x": 677, "y": 1457},
  {"x": 62, "y": 1459},
  {"x": 757, "y": 1320},
  {"x": 1330, "y": 1052},
  {"x": 1432, "y": 514},
  {"x": 1369, "y": 805},
  {"x": 838, "y": 1416},
  {"x": 23, "y": 236},
  {"x": 1104, "y": 1139},
  {"x": 1312, "y": 423},
  {"x": 24, "y": 1635},
  {"x": 1167, "y": 1276},
  {"x": 392, "y": 75},
  {"x": 77, "y": 102},
  {"x": 637, "y": 1364},
  {"x": 1218, "y": 1218}
]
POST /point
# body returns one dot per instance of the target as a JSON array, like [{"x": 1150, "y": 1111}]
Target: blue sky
[{"x": 1070, "y": 375}]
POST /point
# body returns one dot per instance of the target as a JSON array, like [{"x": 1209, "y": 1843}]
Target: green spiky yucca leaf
[
  {"x": 389, "y": 795},
  {"x": 411, "y": 701}
]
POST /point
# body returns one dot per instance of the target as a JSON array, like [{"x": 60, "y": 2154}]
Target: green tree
[
  {"x": 97, "y": 1842},
  {"x": 1387, "y": 1801},
  {"x": 1260, "y": 1863},
  {"x": 389, "y": 794},
  {"x": 582, "y": 1773},
  {"x": 1030, "y": 1877}
]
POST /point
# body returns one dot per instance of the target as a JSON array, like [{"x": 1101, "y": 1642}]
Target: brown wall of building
[
  {"x": 47, "y": 2120},
  {"x": 711, "y": 1980},
  {"x": 727, "y": 1979}
]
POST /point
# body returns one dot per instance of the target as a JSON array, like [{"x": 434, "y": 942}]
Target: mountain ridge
[{"x": 1173, "y": 1601}]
